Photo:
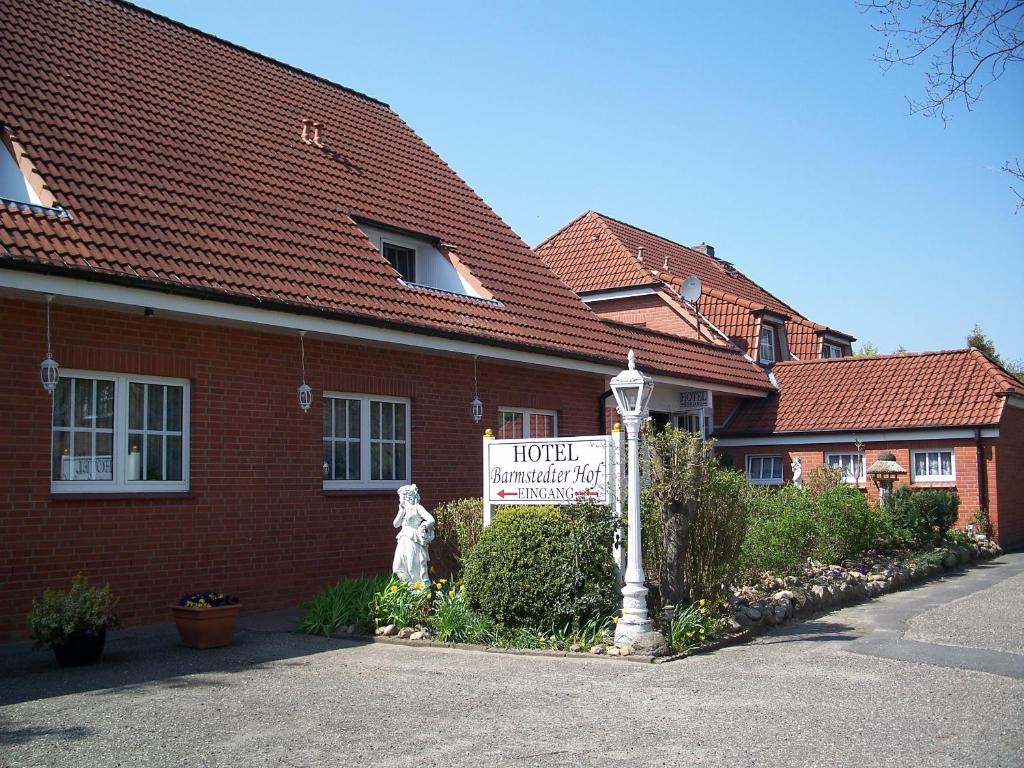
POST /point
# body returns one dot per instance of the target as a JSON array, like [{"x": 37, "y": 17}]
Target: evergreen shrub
[
  {"x": 921, "y": 517},
  {"x": 543, "y": 566}
]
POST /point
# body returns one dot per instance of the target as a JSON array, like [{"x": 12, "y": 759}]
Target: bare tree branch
[{"x": 964, "y": 45}]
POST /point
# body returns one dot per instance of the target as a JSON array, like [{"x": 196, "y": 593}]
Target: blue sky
[{"x": 766, "y": 130}]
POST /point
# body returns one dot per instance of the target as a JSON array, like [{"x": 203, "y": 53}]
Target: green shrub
[
  {"x": 920, "y": 517},
  {"x": 345, "y": 604},
  {"x": 716, "y": 535},
  {"x": 791, "y": 524},
  {"x": 543, "y": 567},
  {"x": 60, "y": 613},
  {"x": 400, "y": 604},
  {"x": 823, "y": 477},
  {"x": 457, "y": 529}
]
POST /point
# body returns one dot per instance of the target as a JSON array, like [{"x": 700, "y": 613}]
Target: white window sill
[
  {"x": 104, "y": 487},
  {"x": 383, "y": 485}
]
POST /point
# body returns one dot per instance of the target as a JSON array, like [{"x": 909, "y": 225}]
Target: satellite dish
[{"x": 691, "y": 289}]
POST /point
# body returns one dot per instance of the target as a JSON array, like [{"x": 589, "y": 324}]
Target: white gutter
[
  {"x": 850, "y": 437},
  {"x": 191, "y": 309}
]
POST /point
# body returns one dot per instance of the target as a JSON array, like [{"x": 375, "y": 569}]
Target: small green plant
[
  {"x": 60, "y": 614},
  {"x": 982, "y": 523},
  {"x": 400, "y": 604},
  {"x": 453, "y": 619},
  {"x": 694, "y": 625},
  {"x": 957, "y": 537},
  {"x": 346, "y": 604}
]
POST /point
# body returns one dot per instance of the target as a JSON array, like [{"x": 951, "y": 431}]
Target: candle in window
[{"x": 134, "y": 464}]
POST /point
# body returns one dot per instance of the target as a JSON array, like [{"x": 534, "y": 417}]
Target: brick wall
[
  {"x": 650, "y": 310},
  {"x": 256, "y": 521},
  {"x": 1006, "y": 487},
  {"x": 965, "y": 458}
]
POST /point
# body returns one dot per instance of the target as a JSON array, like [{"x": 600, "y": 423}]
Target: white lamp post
[{"x": 632, "y": 390}]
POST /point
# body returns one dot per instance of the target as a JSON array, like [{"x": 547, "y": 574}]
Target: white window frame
[
  {"x": 526, "y": 413},
  {"x": 364, "y": 482},
  {"x": 916, "y": 478},
  {"x": 846, "y": 477},
  {"x": 770, "y": 480},
  {"x": 838, "y": 350},
  {"x": 677, "y": 420},
  {"x": 415, "y": 259},
  {"x": 760, "y": 343},
  {"x": 120, "y": 482}
]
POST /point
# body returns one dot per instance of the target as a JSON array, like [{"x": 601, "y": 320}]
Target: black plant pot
[{"x": 81, "y": 648}]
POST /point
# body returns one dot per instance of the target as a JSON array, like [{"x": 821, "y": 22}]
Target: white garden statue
[
  {"x": 798, "y": 471},
  {"x": 416, "y": 531}
]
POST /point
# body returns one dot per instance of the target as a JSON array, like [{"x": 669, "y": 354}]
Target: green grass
[{"x": 347, "y": 603}]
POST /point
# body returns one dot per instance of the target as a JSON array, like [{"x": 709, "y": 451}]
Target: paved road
[{"x": 886, "y": 683}]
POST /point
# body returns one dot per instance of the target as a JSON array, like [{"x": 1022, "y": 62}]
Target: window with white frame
[
  {"x": 401, "y": 258},
  {"x": 852, "y": 465},
  {"x": 366, "y": 441},
  {"x": 766, "y": 348},
  {"x": 764, "y": 470},
  {"x": 929, "y": 466},
  {"x": 691, "y": 421},
  {"x": 116, "y": 433},
  {"x": 831, "y": 350},
  {"x": 515, "y": 423}
]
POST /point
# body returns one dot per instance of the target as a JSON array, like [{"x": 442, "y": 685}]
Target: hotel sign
[
  {"x": 547, "y": 471},
  {"x": 696, "y": 398}
]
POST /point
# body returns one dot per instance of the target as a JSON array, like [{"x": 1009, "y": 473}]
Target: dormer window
[
  {"x": 831, "y": 350},
  {"x": 766, "y": 347},
  {"x": 401, "y": 258},
  {"x": 423, "y": 261}
]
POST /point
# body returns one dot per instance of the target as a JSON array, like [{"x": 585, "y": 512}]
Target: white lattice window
[
  {"x": 764, "y": 470},
  {"x": 114, "y": 433},
  {"x": 852, "y": 465},
  {"x": 366, "y": 441},
  {"x": 933, "y": 466},
  {"x": 517, "y": 423}
]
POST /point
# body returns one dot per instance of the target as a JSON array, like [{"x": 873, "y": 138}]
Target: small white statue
[
  {"x": 798, "y": 471},
  {"x": 416, "y": 531}
]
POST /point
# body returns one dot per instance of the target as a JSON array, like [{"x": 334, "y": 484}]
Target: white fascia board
[
  {"x": 1017, "y": 401},
  {"x": 619, "y": 293},
  {"x": 192, "y": 309},
  {"x": 850, "y": 437}
]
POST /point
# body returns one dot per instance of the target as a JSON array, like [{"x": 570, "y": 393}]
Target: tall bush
[
  {"x": 694, "y": 517},
  {"x": 457, "y": 529},
  {"x": 716, "y": 535},
  {"x": 921, "y": 517},
  {"x": 543, "y": 566}
]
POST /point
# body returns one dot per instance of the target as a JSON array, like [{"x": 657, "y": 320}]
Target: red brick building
[
  {"x": 215, "y": 229},
  {"x": 953, "y": 419}
]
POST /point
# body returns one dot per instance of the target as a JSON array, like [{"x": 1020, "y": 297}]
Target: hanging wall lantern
[
  {"x": 49, "y": 370},
  {"x": 476, "y": 408},
  {"x": 305, "y": 391}
]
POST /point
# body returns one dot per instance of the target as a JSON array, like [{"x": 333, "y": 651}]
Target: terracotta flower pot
[
  {"x": 205, "y": 627},
  {"x": 81, "y": 648}
]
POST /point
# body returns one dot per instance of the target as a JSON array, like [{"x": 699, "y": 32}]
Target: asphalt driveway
[{"x": 929, "y": 677}]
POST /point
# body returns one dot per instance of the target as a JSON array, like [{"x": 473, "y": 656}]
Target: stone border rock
[
  {"x": 756, "y": 608},
  {"x": 776, "y": 600}
]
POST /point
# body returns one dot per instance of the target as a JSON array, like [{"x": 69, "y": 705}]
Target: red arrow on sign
[{"x": 503, "y": 493}]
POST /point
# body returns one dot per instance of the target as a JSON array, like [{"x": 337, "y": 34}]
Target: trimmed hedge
[
  {"x": 543, "y": 566},
  {"x": 791, "y": 524}
]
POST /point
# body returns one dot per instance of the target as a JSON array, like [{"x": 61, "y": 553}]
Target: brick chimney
[{"x": 707, "y": 250}]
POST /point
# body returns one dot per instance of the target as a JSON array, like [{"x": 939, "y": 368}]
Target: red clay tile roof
[
  {"x": 179, "y": 156},
  {"x": 931, "y": 389},
  {"x": 597, "y": 252}
]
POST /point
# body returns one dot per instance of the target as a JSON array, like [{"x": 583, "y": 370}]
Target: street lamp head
[{"x": 632, "y": 390}]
